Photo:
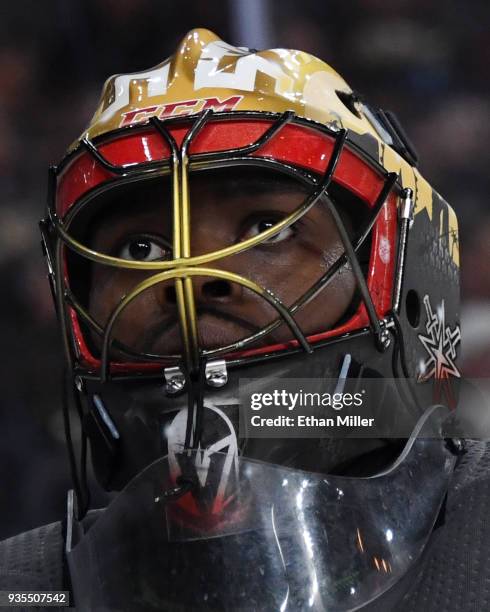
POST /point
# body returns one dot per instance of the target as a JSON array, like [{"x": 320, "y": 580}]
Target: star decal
[{"x": 440, "y": 343}]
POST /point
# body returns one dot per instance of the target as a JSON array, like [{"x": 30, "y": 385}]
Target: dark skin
[{"x": 228, "y": 206}]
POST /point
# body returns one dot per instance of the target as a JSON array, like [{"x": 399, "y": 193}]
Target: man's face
[{"x": 227, "y": 206}]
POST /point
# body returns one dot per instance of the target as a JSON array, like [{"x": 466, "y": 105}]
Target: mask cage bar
[
  {"x": 382, "y": 335},
  {"x": 186, "y": 303},
  {"x": 79, "y": 475},
  {"x": 94, "y": 326},
  {"x": 189, "y": 335},
  {"x": 182, "y": 232},
  {"x": 182, "y": 213},
  {"x": 190, "y": 261},
  {"x": 325, "y": 279},
  {"x": 306, "y": 298},
  {"x": 77, "y": 247},
  {"x": 264, "y": 293},
  {"x": 100, "y": 258},
  {"x": 125, "y": 169},
  {"x": 268, "y": 135},
  {"x": 186, "y": 295}
]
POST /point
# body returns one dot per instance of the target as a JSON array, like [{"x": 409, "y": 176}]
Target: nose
[{"x": 207, "y": 291}]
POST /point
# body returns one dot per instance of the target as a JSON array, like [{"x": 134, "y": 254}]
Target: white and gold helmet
[{"x": 213, "y": 108}]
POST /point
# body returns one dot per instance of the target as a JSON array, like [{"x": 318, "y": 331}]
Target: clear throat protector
[{"x": 200, "y": 530}]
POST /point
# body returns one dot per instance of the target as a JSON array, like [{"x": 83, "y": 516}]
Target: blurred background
[{"x": 427, "y": 61}]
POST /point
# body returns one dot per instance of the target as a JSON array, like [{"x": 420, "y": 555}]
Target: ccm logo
[{"x": 184, "y": 107}]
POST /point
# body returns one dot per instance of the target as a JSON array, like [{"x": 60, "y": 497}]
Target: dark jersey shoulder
[
  {"x": 33, "y": 560},
  {"x": 453, "y": 573}
]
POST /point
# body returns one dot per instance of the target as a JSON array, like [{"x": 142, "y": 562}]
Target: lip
[{"x": 215, "y": 329}]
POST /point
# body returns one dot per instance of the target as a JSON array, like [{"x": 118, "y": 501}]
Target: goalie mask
[{"x": 236, "y": 214}]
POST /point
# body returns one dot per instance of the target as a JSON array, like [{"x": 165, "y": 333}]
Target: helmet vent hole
[
  {"x": 349, "y": 100},
  {"x": 412, "y": 305}
]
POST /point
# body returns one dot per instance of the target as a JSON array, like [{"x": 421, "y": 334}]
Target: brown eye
[
  {"x": 261, "y": 225},
  {"x": 142, "y": 248}
]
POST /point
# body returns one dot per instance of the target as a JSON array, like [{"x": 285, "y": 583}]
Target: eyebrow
[
  {"x": 247, "y": 180},
  {"x": 140, "y": 199},
  {"x": 269, "y": 182}
]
